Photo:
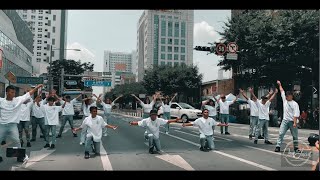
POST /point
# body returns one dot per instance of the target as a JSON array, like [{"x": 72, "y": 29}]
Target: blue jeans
[
  {"x": 285, "y": 125},
  {"x": 38, "y": 121},
  {"x": 83, "y": 133},
  {"x": 253, "y": 125},
  {"x": 206, "y": 141},
  {"x": 262, "y": 124},
  {"x": 10, "y": 130},
  {"x": 52, "y": 129},
  {"x": 107, "y": 117},
  {"x": 224, "y": 119},
  {"x": 154, "y": 142},
  {"x": 166, "y": 116},
  {"x": 89, "y": 142},
  {"x": 66, "y": 118},
  {"x": 24, "y": 125}
]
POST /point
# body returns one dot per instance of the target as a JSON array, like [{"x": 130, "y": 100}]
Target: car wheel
[{"x": 184, "y": 118}]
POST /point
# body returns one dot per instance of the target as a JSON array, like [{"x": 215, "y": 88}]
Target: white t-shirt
[
  {"x": 36, "y": 111},
  {"x": 205, "y": 125},
  {"x": 152, "y": 126},
  {"x": 25, "y": 111},
  {"x": 107, "y": 107},
  {"x": 147, "y": 107},
  {"x": 166, "y": 107},
  {"x": 94, "y": 127},
  {"x": 263, "y": 109},
  {"x": 86, "y": 109},
  {"x": 290, "y": 108},
  {"x": 212, "y": 110},
  {"x": 51, "y": 114},
  {"x": 68, "y": 108},
  {"x": 224, "y": 106},
  {"x": 254, "y": 111},
  {"x": 9, "y": 110}
]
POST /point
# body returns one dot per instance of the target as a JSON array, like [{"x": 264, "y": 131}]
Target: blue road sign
[
  {"x": 71, "y": 83},
  {"x": 29, "y": 80},
  {"x": 97, "y": 83}
]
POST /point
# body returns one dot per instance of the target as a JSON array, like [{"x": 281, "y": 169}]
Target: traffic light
[{"x": 203, "y": 48}]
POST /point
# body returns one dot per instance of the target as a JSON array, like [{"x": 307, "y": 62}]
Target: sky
[{"x": 94, "y": 31}]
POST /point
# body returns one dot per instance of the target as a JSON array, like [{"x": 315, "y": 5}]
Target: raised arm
[
  {"x": 117, "y": 98},
  {"x": 64, "y": 104},
  {"x": 243, "y": 94},
  {"x": 280, "y": 86},
  {"x": 175, "y": 94},
  {"x": 136, "y": 98},
  {"x": 235, "y": 99},
  {"x": 214, "y": 96},
  {"x": 252, "y": 93},
  {"x": 31, "y": 92},
  {"x": 273, "y": 95},
  {"x": 269, "y": 93}
]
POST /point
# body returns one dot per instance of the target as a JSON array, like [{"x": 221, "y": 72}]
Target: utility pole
[
  {"x": 50, "y": 71},
  {"x": 62, "y": 81}
]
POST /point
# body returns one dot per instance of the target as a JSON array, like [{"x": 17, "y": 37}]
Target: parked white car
[{"x": 183, "y": 111}]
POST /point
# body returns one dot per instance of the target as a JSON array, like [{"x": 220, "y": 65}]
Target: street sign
[
  {"x": 221, "y": 49},
  {"x": 11, "y": 77},
  {"x": 315, "y": 90},
  {"x": 97, "y": 83},
  {"x": 29, "y": 80},
  {"x": 232, "y": 56},
  {"x": 142, "y": 95},
  {"x": 70, "y": 83},
  {"x": 232, "y": 47}
]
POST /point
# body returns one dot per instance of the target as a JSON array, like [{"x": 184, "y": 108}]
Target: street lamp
[{"x": 50, "y": 79}]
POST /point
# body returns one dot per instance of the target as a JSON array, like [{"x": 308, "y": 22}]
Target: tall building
[
  {"x": 49, "y": 27},
  {"x": 121, "y": 65},
  {"x": 164, "y": 37},
  {"x": 16, "y": 50}
]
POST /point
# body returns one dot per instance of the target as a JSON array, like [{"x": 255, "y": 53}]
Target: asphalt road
[{"x": 125, "y": 149}]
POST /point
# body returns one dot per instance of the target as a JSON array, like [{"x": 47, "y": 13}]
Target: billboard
[{"x": 120, "y": 67}]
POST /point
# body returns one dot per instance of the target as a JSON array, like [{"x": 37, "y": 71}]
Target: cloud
[
  {"x": 85, "y": 55},
  {"x": 204, "y": 33}
]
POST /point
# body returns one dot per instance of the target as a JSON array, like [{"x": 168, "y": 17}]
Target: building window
[
  {"x": 183, "y": 42},
  {"x": 176, "y": 42},
  {"x": 169, "y": 56},
  {"x": 169, "y": 41},
  {"x": 44, "y": 60},
  {"x": 45, "y": 42},
  {"x": 53, "y": 29},
  {"x": 38, "y": 53},
  {"x": 163, "y": 56},
  {"x": 176, "y": 57},
  {"x": 54, "y": 17},
  {"x": 183, "y": 57},
  {"x": 33, "y": 17},
  {"x": 169, "y": 48},
  {"x": 40, "y": 23},
  {"x": 170, "y": 64},
  {"x": 33, "y": 11},
  {"x": 38, "y": 60},
  {"x": 169, "y": 17},
  {"x": 25, "y": 11},
  {"x": 176, "y": 17},
  {"x": 170, "y": 29},
  {"x": 176, "y": 64},
  {"x": 38, "y": 48},
  {"x": 39, "y": 29},
  {"x": 163, "y": 16},
  {"x": 163, "y": 28},
  {"x": 163, "y": 63},
  {"x": 39, "y": 35},
  {"x": 183, "y": 49},
  {"x": 40, "y": 11},
  {"x": 176, "y": 49},
  {"x": 53, "y": 41},
  {"x": 40, "y": 17},
  {"x": 176, "y": 29},
  {"x": 183, "y": 29},
  {"x": 24, "y": 16},
  {"x": 163, "y": 40},
  {"x": 163, "y": 48}
]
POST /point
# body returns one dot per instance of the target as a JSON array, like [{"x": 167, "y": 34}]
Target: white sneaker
[
  {"x": 105, "y": 135},
  {"x": 81, "y": 143},
  {"x": 167, "y": 132}
]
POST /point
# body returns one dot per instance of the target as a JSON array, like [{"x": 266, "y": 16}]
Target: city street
[{"x": 125, "y": 149}]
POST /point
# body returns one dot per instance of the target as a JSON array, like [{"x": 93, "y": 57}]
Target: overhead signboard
[
  {"x": 29, "y": 80},
  {"x": 97, "y": 83}
]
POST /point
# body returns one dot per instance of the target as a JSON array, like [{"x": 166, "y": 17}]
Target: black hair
[
  {"x": 145, "y": 100},
  {"x": 205, "y": 110},
  {"x": 289, "y": 93},
  {"x": 10, "y": 87},
  {"x": 51, "y": 99},
  {"x": 210, "y": 100},
  {"x": 68, "y": 97},
  {"x": 92, "y": 108},
  {"x": 153, "y": 112}
]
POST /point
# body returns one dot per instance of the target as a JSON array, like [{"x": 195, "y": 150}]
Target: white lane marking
[
  {"x": 105, "y": 159},
  {"x": 36, "y": 156},
  {"x": 225, "y": 154},
  {"x": 198, "y": 135},
  {"x": 277, "y": 153},
  {"x": 175, "y": 128},
  {"x": 177, "y": 161}
]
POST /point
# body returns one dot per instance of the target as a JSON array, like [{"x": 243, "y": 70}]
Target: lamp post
[{"x": 50, "y": 79}]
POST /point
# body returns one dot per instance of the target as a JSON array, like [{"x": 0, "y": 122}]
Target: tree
[
  {"x": 182, "y": 79},
  {"x": 70, "y": 67},
  {"x": 282, "y": 44}
]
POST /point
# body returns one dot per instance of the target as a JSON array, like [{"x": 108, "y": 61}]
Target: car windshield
[{"x": 186, "y": 106}]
